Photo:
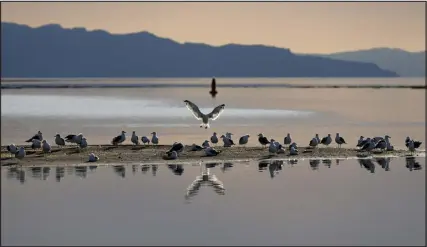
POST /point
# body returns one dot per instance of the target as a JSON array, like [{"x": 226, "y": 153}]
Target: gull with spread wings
[{"x": 204, "y": 117}]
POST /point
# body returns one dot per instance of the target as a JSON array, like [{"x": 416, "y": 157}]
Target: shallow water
[{"x": 320, "y": 202}]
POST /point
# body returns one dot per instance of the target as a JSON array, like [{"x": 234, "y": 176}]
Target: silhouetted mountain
[
  {"x": 52, "y": 51},
  {"x": 404, "y": 63}
]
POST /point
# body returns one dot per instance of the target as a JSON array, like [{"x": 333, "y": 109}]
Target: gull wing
[
  {"x": 194, "y": 109},
  {"x": 216, "y": 112}
]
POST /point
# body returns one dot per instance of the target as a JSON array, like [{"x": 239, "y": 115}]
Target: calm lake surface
[{"x": 344, "y": 202}]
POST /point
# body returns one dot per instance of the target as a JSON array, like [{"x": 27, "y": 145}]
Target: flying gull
[
  {"x": 59, "y": 141},
  {"x": 262, "y": 139},
  {"x": 216, "y": 112},
  {"x": 134, "y": 139},
  {"x": 326, "y": 140},
  {"x": 38, "y": 136},
  {"x": 339, "y": 140},
  {"x": 119, "y": 139}
]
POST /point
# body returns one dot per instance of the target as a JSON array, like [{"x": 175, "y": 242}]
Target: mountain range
[{"x": 54, "y": 51}]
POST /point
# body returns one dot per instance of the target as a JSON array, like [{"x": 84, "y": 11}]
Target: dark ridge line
[{"x": 162, "y": 85}]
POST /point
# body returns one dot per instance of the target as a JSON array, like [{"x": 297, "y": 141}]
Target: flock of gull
[{"x": 274, "y": 147}]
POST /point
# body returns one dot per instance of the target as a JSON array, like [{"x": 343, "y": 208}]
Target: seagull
[
  {"x": 119, "y": 139},
  {"x": 38, "y": 136},
  {"x": 288, "y": 139},
  {"x": 20, "y": 153},
  {"x": 228, "y": 135},
  {"x": 293, "y": 150},
  {"x": 205, "y": 144},
  {"x": 154, "y": 139},
  {"x": 417, "y": 144},
  {"x": 12, "y": 148},
  {"x": 171, "y": 155},
  {"x": 293, "y": 145},
  {"x": 134, "y": 139},
  {"x": 339, "y": 140},
  {"x": 262, "y": 139},
  {"x": 362, "y": 141},
  {"x": 195, "y": 147},
  {"x": 272, "y": 147},
  {"x": 227, "y": 141},
  {"x": 177, "y": 147},
  {"x": 377, "y": 138},
  {"x": 46, "y": 147},
  {"x": 83, "y": 143},
  {"x": 93, "y": 157},
  {"x": 411, "y": 146},
  {"x": 317, "y": 138},
  {"x": 216, "y": 112},
  {"x": 369, "y": 145},
  {"x": 244, "y": 140},
  {"x": 36, "y": 144},
  {"x": 214, "y": 138},
  {"x": 326, "y": 140},
  {"x": 145, "y": 140},
  {"x": 59, "y": 141},
  {"x": 211, "y": 152},
  {"x": 278, "y": 146},
  {"x": 313, "y": 143},
  {"x": 383, "y": 143},
  {"x": 74, "y": 138}
]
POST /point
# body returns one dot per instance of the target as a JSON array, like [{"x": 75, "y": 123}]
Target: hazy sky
[{"x": 302, "y": 27}]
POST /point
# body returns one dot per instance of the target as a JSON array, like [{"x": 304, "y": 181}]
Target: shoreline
[{"x": 130, "y": 154}]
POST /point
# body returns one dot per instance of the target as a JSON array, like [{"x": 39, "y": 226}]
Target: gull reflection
[
  {"x": 327, "y": 162},
  {"x": 59, "y": 173},
  {"x": 292, "y": 162},
  {"x": 80, "y": 171},
  {"x": 15, "y": 173},
  {"x": 384, "y": 163},
  {"x": 93, "y": 168},
  {"x": 134, "y": 169},
  {"x": 226, "y": 166},
  {"x": 46, "y": 172},
  {"x": 367, "y": 164},
  {"x": 274, "y": 167},
  {"x": 36, "y": 172},
  {"x": 205, "y": 178},
  {"x": 154, "y": 169},
  {"x": 337, "y": 161},
  {"x": 120, "y": 170},
  {"x": 176, "y": 169},
  {"x": 412, "y": 164},
  {"x": 263, "y": 164},
  {"x": 145, "y": 168},
  {"x": 314, "y": 164}
]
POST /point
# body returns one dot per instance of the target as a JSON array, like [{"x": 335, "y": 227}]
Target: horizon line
[{"x": 211, "y": 45}]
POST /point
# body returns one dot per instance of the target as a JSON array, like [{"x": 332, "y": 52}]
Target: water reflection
[
  {"x": 412, "y": 164},
  {"x": 367, "y": 164},
  {"x": 273, "y": 166},
  {"x": 176, "y": 169},
  {"x": 205, "y": 178}
]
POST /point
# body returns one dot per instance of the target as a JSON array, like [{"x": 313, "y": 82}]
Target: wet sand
[{"x": 70, "y": 155}]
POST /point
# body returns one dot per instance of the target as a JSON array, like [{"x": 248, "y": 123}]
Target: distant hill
[
  {"x": 53, "y": 51},
  {"x": 404, "y": 63}
]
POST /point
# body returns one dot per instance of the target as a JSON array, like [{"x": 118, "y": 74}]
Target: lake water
[
  {"x": 101, "y": 113},
  {"x": 344, "y": 202}
]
